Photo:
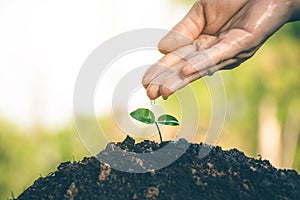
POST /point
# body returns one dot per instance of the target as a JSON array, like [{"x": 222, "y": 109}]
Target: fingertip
[
  {"x": 145, "y": 86},
  {"x": 187, "y": 70},
  {"x": 163, "y": 51},
  {"x": 165, "y": 92},
  {"x": 163, "y": 47},
  {"x": 153, "y": 91},
  {"x": 145, "y": 82},
  {"x": 149, "y": 75},
  {"x": 154, "y": 71}
]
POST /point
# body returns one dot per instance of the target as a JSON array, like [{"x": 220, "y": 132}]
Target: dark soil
[{"x": 219, "y": 175}]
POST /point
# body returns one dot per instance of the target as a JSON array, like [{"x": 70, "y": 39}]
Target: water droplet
[{"x": 152, "y": 102}]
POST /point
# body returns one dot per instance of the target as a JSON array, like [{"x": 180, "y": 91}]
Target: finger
[
  {"x": 170, "y": 59},
  {"x": 153, "y": 91},
  {"x": 177, "y": 81},
  {"x": 167, "y": 84},
  {"x": 167, "y": 61},
  {"x": 205, "y": 41},
  {"x": 169, "y": 81},
  {"x": 172, "y": 84},
  {"x": 231, "y": 44},
  {"x": 154, "y": 85},
  {"x": 185, "y": 31},
  {"x": 152, "y": 73},
  {"x": 229, "y": 64}
]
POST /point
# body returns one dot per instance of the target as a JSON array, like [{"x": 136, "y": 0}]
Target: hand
[{"x": 214, "y": 35}]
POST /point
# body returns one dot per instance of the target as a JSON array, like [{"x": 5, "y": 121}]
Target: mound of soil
[{"x": 219, "y": 175}]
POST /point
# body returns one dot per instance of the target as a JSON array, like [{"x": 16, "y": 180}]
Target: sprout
[{"x": 147, "y": 116}]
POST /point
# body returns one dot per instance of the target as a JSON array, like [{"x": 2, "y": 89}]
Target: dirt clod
[
  {"x": 105, "y": 171},
  {"x": 194, "y": 175}
]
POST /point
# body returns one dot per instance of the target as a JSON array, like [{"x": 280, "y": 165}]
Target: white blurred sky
[{"x": 43, "y": 44}]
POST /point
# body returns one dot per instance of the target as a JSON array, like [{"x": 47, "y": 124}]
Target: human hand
[{"x": 214, "y": 35}]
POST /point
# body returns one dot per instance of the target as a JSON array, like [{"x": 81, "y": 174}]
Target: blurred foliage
[
  {"x": 25, "y": 155},
  {"x": 274, "y": 71}
]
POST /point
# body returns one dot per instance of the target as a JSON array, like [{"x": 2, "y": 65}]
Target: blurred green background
[{"x": 263, "y": 104}]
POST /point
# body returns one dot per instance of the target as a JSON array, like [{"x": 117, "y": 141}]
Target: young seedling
[{"x": 147, "y": 116}]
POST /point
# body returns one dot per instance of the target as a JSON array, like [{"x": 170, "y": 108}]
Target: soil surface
[{"x": 218, "y": 175}]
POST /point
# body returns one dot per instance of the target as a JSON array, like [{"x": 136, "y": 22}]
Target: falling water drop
[{"x": 152, "y": 102}]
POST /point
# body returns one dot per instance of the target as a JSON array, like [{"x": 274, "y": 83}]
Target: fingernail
[
  {"x": 187, "y": 70},
  {"x": 152, "y": 91}
]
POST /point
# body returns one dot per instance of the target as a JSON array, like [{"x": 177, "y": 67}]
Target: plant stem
[{"x": 158, "y": 132}]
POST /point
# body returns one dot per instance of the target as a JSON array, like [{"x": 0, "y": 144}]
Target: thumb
[{"x": 183, "y": 33}]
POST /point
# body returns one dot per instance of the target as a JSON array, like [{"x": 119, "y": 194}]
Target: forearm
[{"x": 295, "y": 6}]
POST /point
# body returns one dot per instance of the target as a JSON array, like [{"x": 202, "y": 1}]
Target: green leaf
[
  {"x": 143, "y": 115},
  {"x": 168, "y": 120}
]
